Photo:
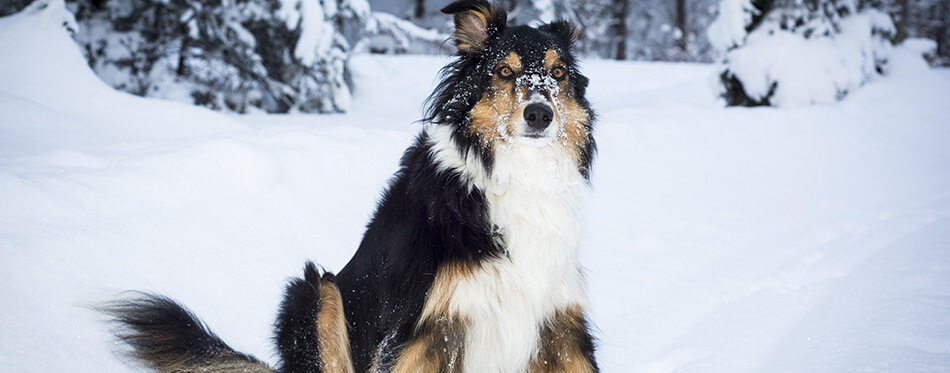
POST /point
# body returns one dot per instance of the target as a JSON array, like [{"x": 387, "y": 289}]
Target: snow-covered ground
[{"x": 806, "y": 239}]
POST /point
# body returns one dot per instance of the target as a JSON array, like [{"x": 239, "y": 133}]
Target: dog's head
[{"x": 513, "y": 86}]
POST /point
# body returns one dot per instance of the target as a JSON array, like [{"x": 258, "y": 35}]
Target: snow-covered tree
[
  {"x": 794, "y": 52},
  {"x": 278, "y": 56}
]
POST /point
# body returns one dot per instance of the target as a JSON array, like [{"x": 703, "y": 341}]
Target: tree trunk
[
  {"x": 902, "y": 17},
  {"x": 182, "y": 57},
  {"x": 623, "y": 11},
  {"x": 420, "y": 8},
  {"x": 681, "y": 24}
]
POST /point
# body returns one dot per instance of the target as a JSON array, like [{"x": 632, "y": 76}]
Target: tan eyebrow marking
[
  {"x": 513, "y": 60},
  {"x": 552, "y": 59}
]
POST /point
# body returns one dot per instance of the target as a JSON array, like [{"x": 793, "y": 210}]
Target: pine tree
[
  {"x": 790, "y": 52},
  {"x": 224, "y": 54}
]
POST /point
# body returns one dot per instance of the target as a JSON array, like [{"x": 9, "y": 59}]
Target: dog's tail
[
  {"x": 166, "y": 337},
  {"x": 311, "y": 332}
]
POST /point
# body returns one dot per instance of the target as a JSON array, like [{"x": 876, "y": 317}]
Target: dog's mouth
[{"x": 537, "y": 139}]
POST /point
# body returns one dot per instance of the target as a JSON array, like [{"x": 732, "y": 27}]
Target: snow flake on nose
[{"x": 539, "y": 81}]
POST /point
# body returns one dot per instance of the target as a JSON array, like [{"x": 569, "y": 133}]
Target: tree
[
  {"x": 420, "y": 9},
  {"x": 681, "y": 25},
  {"x": 233, "y": 55},
  {"x": 793, "y": 52},
  {"x": 931, "y": 19},
  {"x": 620, "y": 24}
]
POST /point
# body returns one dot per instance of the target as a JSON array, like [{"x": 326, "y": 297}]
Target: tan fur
[
  {"x": 437, "y": 347},
  {"x": 220, "y": 364},
  {"x": 575, "y": 130},
  {"x": 471, "y": 28},
  {"x": 560, "y": 350},
  {"x": 438, "y": 344},
  {"x": 333, "y": 337},
  {"x": 552, "y": 59},
  {"x": 513, "y": 60},
  {"x": 162, "y": 361},
  {"x": 575, "y": 118},
  {"x": 440, "y": 292},
  {"x": 224, "y": 367},
  {"x": 493, "y": 116}
]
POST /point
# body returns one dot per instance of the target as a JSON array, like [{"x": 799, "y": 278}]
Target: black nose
[{"x": 538, "y": 116}]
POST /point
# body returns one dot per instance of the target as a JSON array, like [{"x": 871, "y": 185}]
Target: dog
[{"x": 470, "y": 262}]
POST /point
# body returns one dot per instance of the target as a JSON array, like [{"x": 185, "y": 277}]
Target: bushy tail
[
  {"x": 166, "y": 337},
  {"x": 310, "y": 332}
]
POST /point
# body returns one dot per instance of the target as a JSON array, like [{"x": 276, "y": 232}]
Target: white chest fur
[{"x": 535, "y": 196}]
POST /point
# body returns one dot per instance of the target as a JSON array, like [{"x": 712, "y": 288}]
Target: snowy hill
[{"x": 808, "y": 239}]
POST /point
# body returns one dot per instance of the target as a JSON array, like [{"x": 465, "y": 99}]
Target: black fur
[
  {"x": 294, "y": 332},
  {"x": 162, "y": 332}
]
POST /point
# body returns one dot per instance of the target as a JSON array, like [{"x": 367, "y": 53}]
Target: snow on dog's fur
[{"x": 469, "y": 263}]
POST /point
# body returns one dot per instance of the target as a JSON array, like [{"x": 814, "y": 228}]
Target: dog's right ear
[{"x": 476, "y": 21}]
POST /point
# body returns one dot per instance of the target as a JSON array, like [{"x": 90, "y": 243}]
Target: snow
[
  {"x": 728, "y": 29},
  {"x": 816, "y": 62},
  {"x": 799, "y": 239},
  {"x": 808, "y": 71}
]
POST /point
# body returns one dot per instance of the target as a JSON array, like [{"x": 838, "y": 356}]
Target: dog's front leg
[
  {"x": 437, "y": 347},
  {"x": 565, "y": 344}
]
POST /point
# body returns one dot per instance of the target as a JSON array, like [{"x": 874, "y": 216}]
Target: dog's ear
[
  {"x": 476, "y": 21},
  {"x": 564, "y": 30}
]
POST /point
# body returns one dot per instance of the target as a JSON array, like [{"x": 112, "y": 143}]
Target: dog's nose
[{"x": 538, "y": 116}]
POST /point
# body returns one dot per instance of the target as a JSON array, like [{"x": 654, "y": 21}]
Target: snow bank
[
  {"x": 808, "y": 239},
  {"x": 46, "y": 83}
]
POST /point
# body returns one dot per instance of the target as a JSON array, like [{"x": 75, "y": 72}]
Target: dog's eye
[
  {"x": 558, "y": 73},
  {"x": 505, "y": 72}
]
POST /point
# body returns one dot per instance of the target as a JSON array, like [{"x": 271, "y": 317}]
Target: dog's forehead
[{"x": 530, "y": 44}]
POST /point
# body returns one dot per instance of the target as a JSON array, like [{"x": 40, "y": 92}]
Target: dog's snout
[{"x": 538, "y": 116}]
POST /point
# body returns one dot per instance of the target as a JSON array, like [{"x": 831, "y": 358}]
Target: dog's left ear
[
  {"x": 565, "y": 30},
  {"x": 476, "y": 21}
]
